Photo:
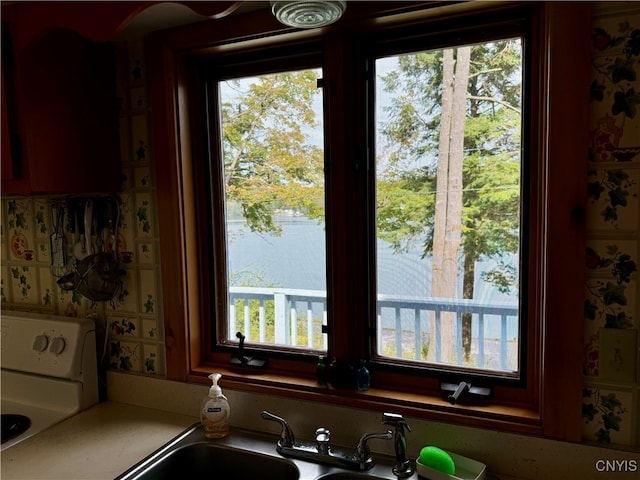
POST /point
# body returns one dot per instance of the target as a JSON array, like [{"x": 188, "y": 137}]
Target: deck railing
[{"x": 295, "y": 317}]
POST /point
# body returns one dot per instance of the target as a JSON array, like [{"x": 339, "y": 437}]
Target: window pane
[
  {"x": 274, "y": 198},
  {"x": 448, "y": 153}
]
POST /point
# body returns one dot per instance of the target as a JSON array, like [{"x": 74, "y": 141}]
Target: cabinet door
[
  {"x": 11, "y": 155},
  {"x": 67, "y": 116},
  {"x": 7, "y": 159}
]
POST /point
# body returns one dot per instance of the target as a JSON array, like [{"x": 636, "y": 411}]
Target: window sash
[
  {"x": 222, "y": 331},
  {"x": 406, "y": 42}
]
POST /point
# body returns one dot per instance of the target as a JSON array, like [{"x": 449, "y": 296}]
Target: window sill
[{"x": 514, "y": 419}]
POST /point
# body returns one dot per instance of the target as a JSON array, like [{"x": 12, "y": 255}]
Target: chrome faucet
[
  {"x": 362, "y": 449},
  {"x": 322, "y": 451},
  {"x": 403, "y": 467}
]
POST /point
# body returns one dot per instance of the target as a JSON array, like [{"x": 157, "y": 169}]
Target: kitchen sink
[
  {"x": 208, "y": 460},
  {"x": 242, "y": 455}
]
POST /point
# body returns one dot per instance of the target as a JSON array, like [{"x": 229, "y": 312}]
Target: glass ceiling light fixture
[{"x": 308, "y": 13}]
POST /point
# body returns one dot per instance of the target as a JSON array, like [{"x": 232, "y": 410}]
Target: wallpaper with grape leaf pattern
[{"x": 611, "y": 310}]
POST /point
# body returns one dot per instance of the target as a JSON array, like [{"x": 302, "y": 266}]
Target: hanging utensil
[
  {"x": 113, "y": 217},
  {"x": 100, "y": 222},
  {"x": 97, "y": 277},
  {"x": 58, "y": 243},
  {"x": 88, "y": 219},
  {"x": 79, "y": 246}
]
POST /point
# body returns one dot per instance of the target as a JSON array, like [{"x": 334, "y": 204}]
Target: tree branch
[
  {"x": 484, "y": 72},
  {"x": 495, "y": 100}
]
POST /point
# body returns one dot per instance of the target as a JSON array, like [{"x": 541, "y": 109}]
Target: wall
[
  {"x": 611, "y": 393},
  {"x": 611, "y": 409},
  {"x": 133, "y": 321}
]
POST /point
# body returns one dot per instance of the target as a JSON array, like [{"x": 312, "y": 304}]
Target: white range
[{"x": 49, "y": 371}]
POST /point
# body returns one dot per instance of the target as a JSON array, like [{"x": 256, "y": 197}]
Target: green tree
[
  {"x": 415, "y": 134},
  {"x": 270, "y": 163}
]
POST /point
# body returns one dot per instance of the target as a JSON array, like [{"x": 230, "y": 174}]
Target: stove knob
[
  {"x": 57, "y": 345},
  {"x": 40, "y": 343}
]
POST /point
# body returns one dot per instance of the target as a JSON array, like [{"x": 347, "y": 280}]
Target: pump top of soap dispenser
[{"x": 215, "y": 390}]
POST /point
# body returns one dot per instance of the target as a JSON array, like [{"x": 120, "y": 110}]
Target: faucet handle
[
  {"x": 287, "y": 439},
  {"x": 395, "y": 420},
  {"x": 323, "y": 435}
]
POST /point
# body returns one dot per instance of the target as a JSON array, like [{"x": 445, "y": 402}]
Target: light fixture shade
[{"x": 308, "y": 13}]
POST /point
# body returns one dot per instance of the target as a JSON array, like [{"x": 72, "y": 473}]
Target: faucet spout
[
  {"x": 287, "y": 439},
  {"x": 362, "y": 449}
]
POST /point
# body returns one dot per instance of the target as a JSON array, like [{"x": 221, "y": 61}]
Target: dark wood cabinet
[
  {"x": 11, "y": 155},
  {"x": 59, "y": 114},
  {"x": 60, "y": 118}
]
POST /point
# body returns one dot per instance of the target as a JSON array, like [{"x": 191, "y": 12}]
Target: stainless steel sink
[
  {"x": 243, "y": 455},
  {"x": 206, "y": 460},
  {"x": 192, "y": 455}
]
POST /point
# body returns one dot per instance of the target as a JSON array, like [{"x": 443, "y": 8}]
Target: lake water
[{"x": 296, "y": 260}]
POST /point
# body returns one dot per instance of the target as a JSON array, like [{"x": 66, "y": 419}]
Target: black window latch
[
  {"x": 455, "y": 390},
  {"x": 241, "y": 360}
]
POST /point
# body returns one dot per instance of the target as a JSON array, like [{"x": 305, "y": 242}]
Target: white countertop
[
  {"x": 99, "y": 443},
  {"x": 144, "y": 413}
]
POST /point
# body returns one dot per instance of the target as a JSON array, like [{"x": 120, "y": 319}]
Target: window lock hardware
[
  {"x": 456, "y": 390},
  {"x": 240, "y": 359}
]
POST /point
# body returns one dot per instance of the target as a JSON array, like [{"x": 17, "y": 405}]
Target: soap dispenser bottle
[{"x": 215, "y": 411}]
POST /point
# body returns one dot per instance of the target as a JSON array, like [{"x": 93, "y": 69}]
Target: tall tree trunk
[
  {"x": 448, "y": 210},
  {"x": 439, "y": 283},
  {"x": 468, "y": 286}
]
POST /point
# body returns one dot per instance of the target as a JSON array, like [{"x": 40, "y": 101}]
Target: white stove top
[
  {"x": 49, "y": 369},
  {"x": 41, "y": 418}
]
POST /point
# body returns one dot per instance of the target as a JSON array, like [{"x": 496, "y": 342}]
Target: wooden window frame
[
  {"x": 550, "y": 405},
  {"x": 224, "y": 67},
  {"x": 457, "y": 31}
]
